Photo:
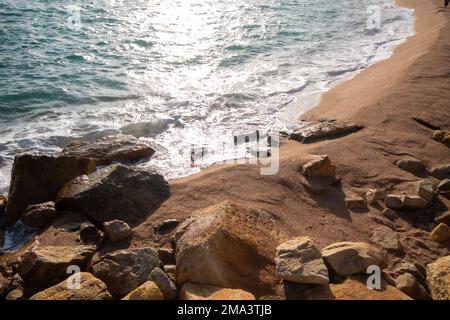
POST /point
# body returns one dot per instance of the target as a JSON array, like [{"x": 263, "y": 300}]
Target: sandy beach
[{"x": 386, "y": 98}]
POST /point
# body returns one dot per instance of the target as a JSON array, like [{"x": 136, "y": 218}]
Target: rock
[
  {"x": 45, "y": 266},
  {"x": 170, "y": 268},
  {"x": 441, "y": 233},
  {"x": 89, "y": 288},
  {"x": 355, "y": 202},
  {"x": 2, "y": 238},
  {"x": 192, "y": 291},
  {"x": 372, "y": 196},
  {"x": 40, "y": 215},
  {"x": 3, "y": 201},
  {"x": 438, "y": 278},
  {"x": 349, "y": 258},
  {"x": 444, "y": 185},
  {"x": 387, "y": 238},
  {"x": 443, "y": 218},
  {"x": 389, "y": 213},
  {"x": 115, "y": 192},
  {"x": 411, "y": 165},
  {"x": 317, "y": 130},
  {"x": 409, "y": 285},
  {"x": 441, "y": 172},
  {"x": 117, "y": 230},
  {"x": 166, "y": 255},
  {"x": 439, "y": 135},
  {"x": 89, "y": 234},
  {"x": 315, "y": 185},
  {"x": 147, "y": 291},
  {"x": 299, "y": 260},
  {"x": 15, "y": 294},
  {"x": 320, "y": 167},
  {"x": 37, "y": 179},
  {"x": 425, "y": 190},
  {"x": 446, "y": 139},
  {"x": 125, "y": 270},
  {"x": 167, "y": 287},
  {"x": 394, "y": 201},
  {"x": 167, "y": 225},
  {"x": 119, "y": 147},
  {"x": 227, "y": 246},
  {"x": 411, "y": 268}
]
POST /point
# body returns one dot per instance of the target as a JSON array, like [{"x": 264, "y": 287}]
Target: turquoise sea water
[{"x": 176, "y": 72}]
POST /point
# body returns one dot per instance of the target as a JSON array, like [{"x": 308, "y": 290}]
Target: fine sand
[{"x": 414, "y": 82}]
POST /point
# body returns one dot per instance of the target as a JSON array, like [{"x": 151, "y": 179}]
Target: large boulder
[
  {"x": 227, "y": 246},
  {"x": 108, "y": 149},
  {"x": 147, "y": 291},
  {"x": 115, "y": 192},
  {"x": 349, "y": 258},
  {"x": 37, "y": 179},
  {"x": 40, "y": 215},
  {"x": 309, "y": 131},
  {"x": 125, "y": 270},
  {"x": 438, "y": 278},
  {"x": 299, "y": 260},
  {"x": 88, "y": 288},
  {"x": 195, "y": 291},
  {"x": 45, "y": 266}
]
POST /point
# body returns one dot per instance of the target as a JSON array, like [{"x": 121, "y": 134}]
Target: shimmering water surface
[{"x": 176, "y": 72}]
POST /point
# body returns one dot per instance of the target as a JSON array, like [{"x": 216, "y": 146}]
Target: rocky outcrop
[
  {"x": 386, "y": 238},
  {"x": 194, "y": 291},
  {"x": 37, "y": 179},
  {"x": 125, "y": 270},
  {"x": 88, "y": 288},
  {"x": 147, "y": 291},
  {"x": 319, "y": 167},
  {"x": 227, "y": 246},
  {"x": 40, "y": 215},
  {"x": 299, "y": 260},
  {"x": 117, "y": 230},
  {"x": 349, "y": 258},
  {"x": 412, "y": 165},
  {"x": 119, "y": 147},
  {"x": 325, "y": 129},
  {"x": 45, "y": 266},
  {"x": 438, "y": 278},
  {"x": 441, "y": 233},
  {"x": 167, "y": 286},
  {"x": 115, "y": 192}
]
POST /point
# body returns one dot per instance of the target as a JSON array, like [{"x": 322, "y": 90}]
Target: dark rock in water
[
  {"x": 108, "y": 149},
  {"x": 117, "y": 230},
  {"x": 90, "y": 235},
  {"x": 441, "y": 172},
  {"x": 325, "y": 129},
  {"x": 115, "y": 192},
  {"x": 37, "y": 179},
  {"x": 40, "y": 215},
  {"x": 43, "y": 267},
  {"x": 125, "y": 270}
]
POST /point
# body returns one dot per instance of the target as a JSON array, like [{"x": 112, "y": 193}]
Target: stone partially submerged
[
  {"x": 115, "y": 192},
  {"x": 310, "y": 131},
  {"x": 37, "y": 179},
  {"x": 119, "y": 147}
]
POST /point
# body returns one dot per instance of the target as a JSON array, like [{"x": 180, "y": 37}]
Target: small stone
[
  {"x": 15, "y": 294},
  {"x": 438, "y": 135},
  {"x": 117, "y": 230},
  {"x": 299, "y": 260},
  {"x": 394, "y": 201},
  {"x": 389, "y": 213},
  {"x": 409, "y": 285},
  {"x": 89, "y": 234},
  {"x": 411, "y": 165},
  {"x": 167, "y": 225},
  {"x": 147, "y": 291},
  {"x": 355, "y": 202},
  {"x": 441, "y": 172},
  {"x": 167, "y": 287},
  {"x": 320, "y": 167},
  {"x": 444, "y": 185},
  {"x": 441, "y": 233},
  {"x": 387, "y": 238},
  {"x": 443, "y": 218},
  {"x": 425, "y": 190},
  {"x": 372, "y": 196}
]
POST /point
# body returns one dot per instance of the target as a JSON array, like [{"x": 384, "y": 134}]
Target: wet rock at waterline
[
  {"x": 37, "y": 179},
  {"x": 114, "y": 148},
  {"x": 115, "y": 192},
  {"x": 325, "y": 129}
]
